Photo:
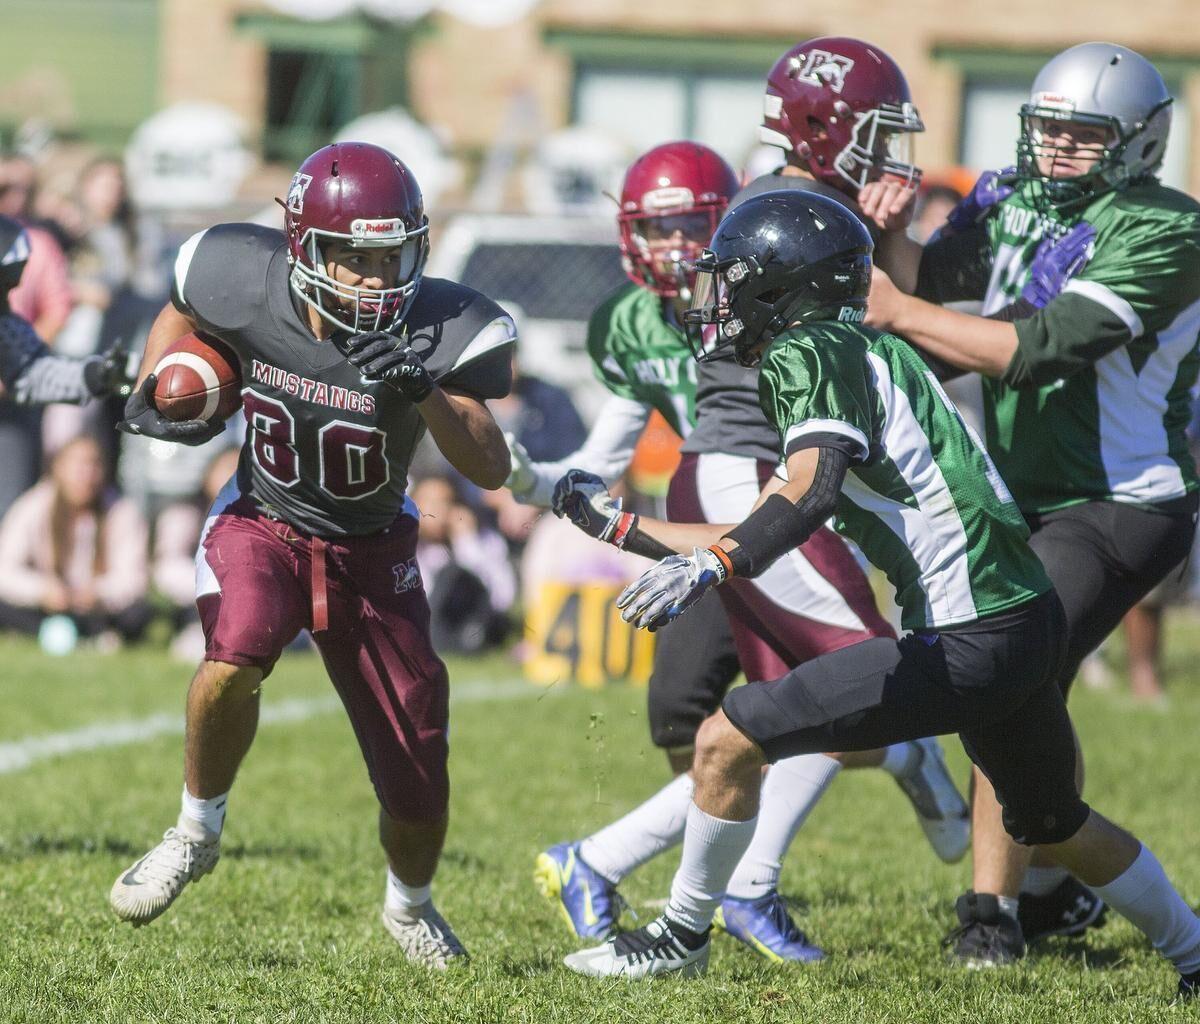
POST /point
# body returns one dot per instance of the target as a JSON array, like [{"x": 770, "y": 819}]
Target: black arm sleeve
[
  {"x": 778, "y": 525},
  {"x": 956, "y": 267},
  {"x": 645, "y": 545}
]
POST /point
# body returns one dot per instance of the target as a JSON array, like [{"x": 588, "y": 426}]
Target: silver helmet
[{"x": 1109, "y": 87}]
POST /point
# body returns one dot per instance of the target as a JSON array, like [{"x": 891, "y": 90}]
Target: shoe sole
[{"x": 1095, "y": 920}]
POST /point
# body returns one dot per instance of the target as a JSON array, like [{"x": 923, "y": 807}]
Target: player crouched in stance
[
  {"x": 868, "y": 436},
  {"x": 348, "y": 356}
]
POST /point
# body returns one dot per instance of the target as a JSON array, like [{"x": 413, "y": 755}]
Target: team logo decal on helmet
[
  {"x": 841, "y": 110},
  {"x": 822, "y": 68},
  {"x": 362, "y": 197},
  {"x": 671, "y": 200},
  {"x": 780, "y": 258},
  {"x": 296, "y": 190}
]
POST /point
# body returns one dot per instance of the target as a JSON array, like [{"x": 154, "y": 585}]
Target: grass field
[{"x": 287, "y": 928}]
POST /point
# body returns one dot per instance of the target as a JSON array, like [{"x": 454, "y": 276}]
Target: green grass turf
[{"x": 287, "y": 927}]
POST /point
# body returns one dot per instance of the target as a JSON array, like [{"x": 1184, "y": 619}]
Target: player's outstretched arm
[
  {"x": 784, "y": 517},
  {"x": 607, "y": 452},
  {"x": 583, "y": 498},
  {"x": 463, "y": 429}
]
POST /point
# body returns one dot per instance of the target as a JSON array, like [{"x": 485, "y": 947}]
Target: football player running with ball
[
  {"x": 348, "y": 356},
  {"x": 1089, "y": 273},
  {"x": 815, "y": 601},
  {"x": 867, "y": 435}
]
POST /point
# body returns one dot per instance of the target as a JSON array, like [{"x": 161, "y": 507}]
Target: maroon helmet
[
  {"x": 842, "y": 111},
  {"x": 366, "y": 197},
  {"x": 672, "y": 199}
]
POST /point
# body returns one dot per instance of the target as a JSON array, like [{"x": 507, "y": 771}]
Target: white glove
[
  {"x": 520, "y": 478},
  {"x": 670, "y": 588}
]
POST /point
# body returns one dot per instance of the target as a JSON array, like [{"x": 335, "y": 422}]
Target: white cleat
[
  {"x": 644, "y": 953},
  {"x": 425, "y": 937},
  {"x": 941, "y": 810},
  {"x": 187, "y": 853}
]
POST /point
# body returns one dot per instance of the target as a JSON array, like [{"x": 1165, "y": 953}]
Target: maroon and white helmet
[
  {"x": 841, "y": 110},
  {"x": 364, "y": 196},
  {"x": 672, "y": 199}
]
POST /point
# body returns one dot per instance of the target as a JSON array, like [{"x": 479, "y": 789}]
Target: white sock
[
  {"x": 791, "y": 790},
  {"x": 646, "y": 831},
  {"x": 402, "y": 899},
  {"x": 711, "y": 849},
  {"x": 1043, "y": 881},
  {"x": 210, "y": 812},
  {"x": 899, "y": 759},
  {"x": 1145, "y": 895}
]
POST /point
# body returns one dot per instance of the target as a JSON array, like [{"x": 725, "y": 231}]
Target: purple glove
[
  {"x": 1056, "y": 262},
  {"x": 991, "y": 187}
]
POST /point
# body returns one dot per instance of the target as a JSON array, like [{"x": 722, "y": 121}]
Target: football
[{"x": 198, "y": 379}]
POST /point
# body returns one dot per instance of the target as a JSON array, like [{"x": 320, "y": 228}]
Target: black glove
[
  {"x": 384, "y": 357},
  {"x": 142, "y": 417},
  {"x": 107, "y": 373}
]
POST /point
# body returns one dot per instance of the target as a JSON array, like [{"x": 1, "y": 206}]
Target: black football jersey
[
  {"x": 728, "y": 417},
  {"x": 326, "y": 450}
]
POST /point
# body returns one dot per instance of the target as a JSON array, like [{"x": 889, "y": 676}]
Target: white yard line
[{"x": 17, "y": 755}]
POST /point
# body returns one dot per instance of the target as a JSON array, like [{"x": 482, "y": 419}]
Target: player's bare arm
[
  {"x": 970, "y": 343},
  {"x": 168, "y": 326},
  {"x": 465, "y": 432}
]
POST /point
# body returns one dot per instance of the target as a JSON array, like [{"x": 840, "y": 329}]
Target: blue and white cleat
[
  {"x": 587, "y": 900},
  {"x": 766, "y": 927}
]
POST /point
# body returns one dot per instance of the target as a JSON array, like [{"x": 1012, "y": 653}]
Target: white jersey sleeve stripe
[
  {"x": 1111, "y": 301},
  {"x": 500, "y": 332},
  {"x": 184, "y": 261},
  {"x": 842, "y": 429}
]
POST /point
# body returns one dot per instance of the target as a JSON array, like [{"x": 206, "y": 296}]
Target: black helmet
[
  {"x": 783, "y": 257},
  {"x": 14, "y": 253}
]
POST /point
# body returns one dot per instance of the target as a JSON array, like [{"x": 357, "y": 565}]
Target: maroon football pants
[{"x": 260, "y": 581}]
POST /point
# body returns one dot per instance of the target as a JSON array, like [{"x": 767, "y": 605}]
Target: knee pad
[{"x": 1046, "y": 824}]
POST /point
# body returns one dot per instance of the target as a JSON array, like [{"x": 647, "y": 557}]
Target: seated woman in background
[{"x": 73, "y": 552}]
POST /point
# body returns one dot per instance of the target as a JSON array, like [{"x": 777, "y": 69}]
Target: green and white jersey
[
  {"x": 1096, "y": 399},
  {"x": 638, "y": 355},
  {"x": 921, "y": 499}
]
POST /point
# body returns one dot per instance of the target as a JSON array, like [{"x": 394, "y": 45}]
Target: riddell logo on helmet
[
  {"x": 295, "y": 196},
  {"x": 820, "y": 67},
  {"x": 667, "y": 199},
  {"x": 1054, "y": 101},
  {"x": 392, "y": 228},
  {"x": 852, "y": 313}
]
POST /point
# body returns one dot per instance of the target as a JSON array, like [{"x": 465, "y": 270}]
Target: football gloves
[
  {"x": 380, "y": 356},
  {"x": 991, "y": 188},
  {"x": 583, "y": 498},
  {"x": 1056, "y": 261},
  {"x": 108, "y": 373},
  {"x": 142, "y": 417},
  {"x": 669, "y": 589}
]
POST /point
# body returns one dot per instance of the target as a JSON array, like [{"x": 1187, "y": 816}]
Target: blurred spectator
[
  {"x": 44, "y": 299},
  {"x": 177, "y": 531},
  {"x": 73, "y": 558},
  {"x": 934, "y": 203},
  {"x": 468, "y": 577}
]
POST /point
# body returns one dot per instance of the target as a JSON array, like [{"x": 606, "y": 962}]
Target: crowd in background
[{"x": 98, "y": 529}]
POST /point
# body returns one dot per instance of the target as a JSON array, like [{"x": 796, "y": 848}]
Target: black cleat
[
  {"x": 1189, "y": 987},
  {"x": 984, "y": 936},
  {"x": 1070, "y": 909}
]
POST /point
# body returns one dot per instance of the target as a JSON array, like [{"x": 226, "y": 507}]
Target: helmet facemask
[
  {"x": 661, "y": 248},
  {"x": 359, "y": 309},
  {"x": 881, "y": 145},
  {"x": 1122, "y": 158}
]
